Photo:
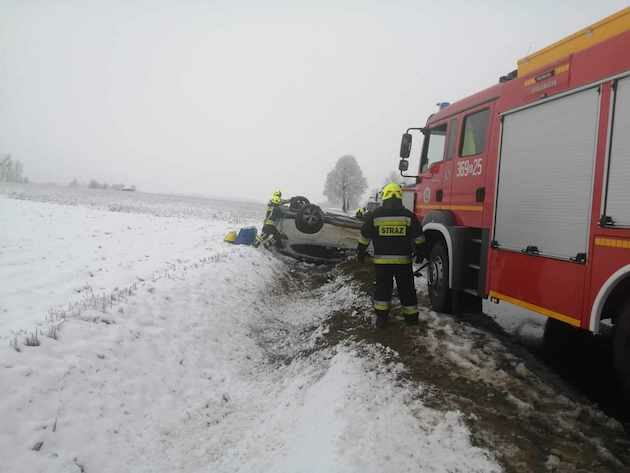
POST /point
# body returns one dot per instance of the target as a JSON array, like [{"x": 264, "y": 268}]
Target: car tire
[
  {"x": 310, "y": 219},
  {"x": 298, "y": 203},
  {"x": 621, "y": 351},
  {"x": 438, "y": 278}
]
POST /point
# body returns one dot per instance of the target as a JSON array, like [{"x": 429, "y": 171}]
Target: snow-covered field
[
  {"x": 56, "y": 258},
  {"x": 177, "y": 352}
]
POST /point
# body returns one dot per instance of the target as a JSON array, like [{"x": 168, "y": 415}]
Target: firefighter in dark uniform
[
  {"x": 270, "y": 233},
  {"x": 396, "y": 235}
]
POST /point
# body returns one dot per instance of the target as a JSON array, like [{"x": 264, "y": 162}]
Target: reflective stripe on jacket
[
  {"x": 394, "y": 232},
  {"x": 272, "y": 214}
]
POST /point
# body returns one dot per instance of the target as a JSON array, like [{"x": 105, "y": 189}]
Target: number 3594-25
[{"x": 469, "y": 167}]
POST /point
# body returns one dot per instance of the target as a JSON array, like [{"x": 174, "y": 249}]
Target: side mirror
[
  {"x": 403, "y": 165},
  {"x": 405, "y": 146}
]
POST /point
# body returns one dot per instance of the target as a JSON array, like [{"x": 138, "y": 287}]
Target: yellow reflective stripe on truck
[
  {"x": 612, "y": 242},
  {"x": 535, "y": 308},
  {"x": 596, "y": 33},
  {"x": 469, "y": 208}
]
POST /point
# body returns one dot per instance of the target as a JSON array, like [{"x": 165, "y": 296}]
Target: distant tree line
[
  {"x": 94, "y": 184},
  {"x": 12, "y": 171}
]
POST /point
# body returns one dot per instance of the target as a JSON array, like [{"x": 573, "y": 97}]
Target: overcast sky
[{"x": 237, "y": 98}]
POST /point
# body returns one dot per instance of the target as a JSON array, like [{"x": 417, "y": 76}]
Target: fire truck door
[
  {"x": 468, "y": 187},
  {"x": 436, "y": 171},
  {"x": 617, "y": 206}
]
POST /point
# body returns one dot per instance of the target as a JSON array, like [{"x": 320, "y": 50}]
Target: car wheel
[
  {"x": 621, "y": 350},
  {"x": 438, "y": 278},
  {"x": 298, "y": 202},
  {"x": 310, "y": 219}
]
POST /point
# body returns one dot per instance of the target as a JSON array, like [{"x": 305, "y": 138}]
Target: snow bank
[{"x": 340, "y": 411}]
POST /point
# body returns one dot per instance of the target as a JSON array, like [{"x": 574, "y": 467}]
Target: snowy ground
[
  {"x": 177, "y": 352},
  {"x": 205, "y": 362}
]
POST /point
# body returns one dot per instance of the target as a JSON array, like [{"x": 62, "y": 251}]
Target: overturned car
[{"x": 316, "y": 235}]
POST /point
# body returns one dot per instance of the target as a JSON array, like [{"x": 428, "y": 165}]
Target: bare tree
[
  {"x": 345, "y": 183},
  {"x": 11, "y": 171},
  {"x": 5, "y": 163},
  {"x": 19, "y": 169}
]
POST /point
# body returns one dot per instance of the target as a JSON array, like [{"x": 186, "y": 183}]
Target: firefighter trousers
[
  {"x": 269, "y": 230},
  {"x": 269, "y": 235},
  {"x": 403, "y": 274}
]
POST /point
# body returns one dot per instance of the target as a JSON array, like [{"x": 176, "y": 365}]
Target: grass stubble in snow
[
  {"x": 60, "y": 260},
  {"x": 232, "y": 360}
]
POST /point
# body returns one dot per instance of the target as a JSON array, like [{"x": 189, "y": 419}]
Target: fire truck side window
[
  {"x": 437, "y": 142},
  {"x": 474, "y": 133}
]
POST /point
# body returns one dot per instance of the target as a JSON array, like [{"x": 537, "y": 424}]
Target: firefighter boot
[
  {"x": 382, "y": 318},
  {"x": 411, "y": 319},
  {"x": 411, "y": 315}
]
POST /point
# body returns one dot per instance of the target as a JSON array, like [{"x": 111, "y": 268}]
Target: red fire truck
[{"x": 524, "y": 188}]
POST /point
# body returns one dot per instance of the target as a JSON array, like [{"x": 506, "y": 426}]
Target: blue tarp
[{"x": 246, "y": 236}]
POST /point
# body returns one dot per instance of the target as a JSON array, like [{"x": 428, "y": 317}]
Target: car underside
[{"x": 316, "y": 235}]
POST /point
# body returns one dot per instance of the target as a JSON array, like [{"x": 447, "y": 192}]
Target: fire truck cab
[{"x": 524, "y": 188}]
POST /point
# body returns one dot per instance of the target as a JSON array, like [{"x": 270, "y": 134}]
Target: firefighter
[
  {"x": 270, "y": 234},
  {"x": 395, "y": 234}
]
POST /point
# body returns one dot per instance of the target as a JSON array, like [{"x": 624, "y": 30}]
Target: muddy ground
[{"x": 536, "y": 418}]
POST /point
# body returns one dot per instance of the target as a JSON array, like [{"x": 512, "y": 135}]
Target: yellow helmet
[
  {"x": 392, "y": 190},
  {"x": 276, "y": 197},
  {"x": 230, "y": 237}
]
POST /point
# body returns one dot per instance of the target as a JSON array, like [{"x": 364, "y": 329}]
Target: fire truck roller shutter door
[
  {"x": 618, "y": 197},
  {"x": 545, "y": 176}
]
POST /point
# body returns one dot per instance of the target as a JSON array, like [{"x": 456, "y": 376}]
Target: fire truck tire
[
  {"x": 298, "y": 202},
  {"x": 560, "y": 341},
  {"x": 621, "y": 350},
  {"x": 310, "y": 219},
  {"x": 438, "y": 278}
]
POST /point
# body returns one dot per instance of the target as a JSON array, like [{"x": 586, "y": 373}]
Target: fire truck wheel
[
  {"x": 621, "y": 348},
  {"x": 438, "y": 280},
  {"x": 560, "y": 342},
  {"x": 310, "y": 219}
]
